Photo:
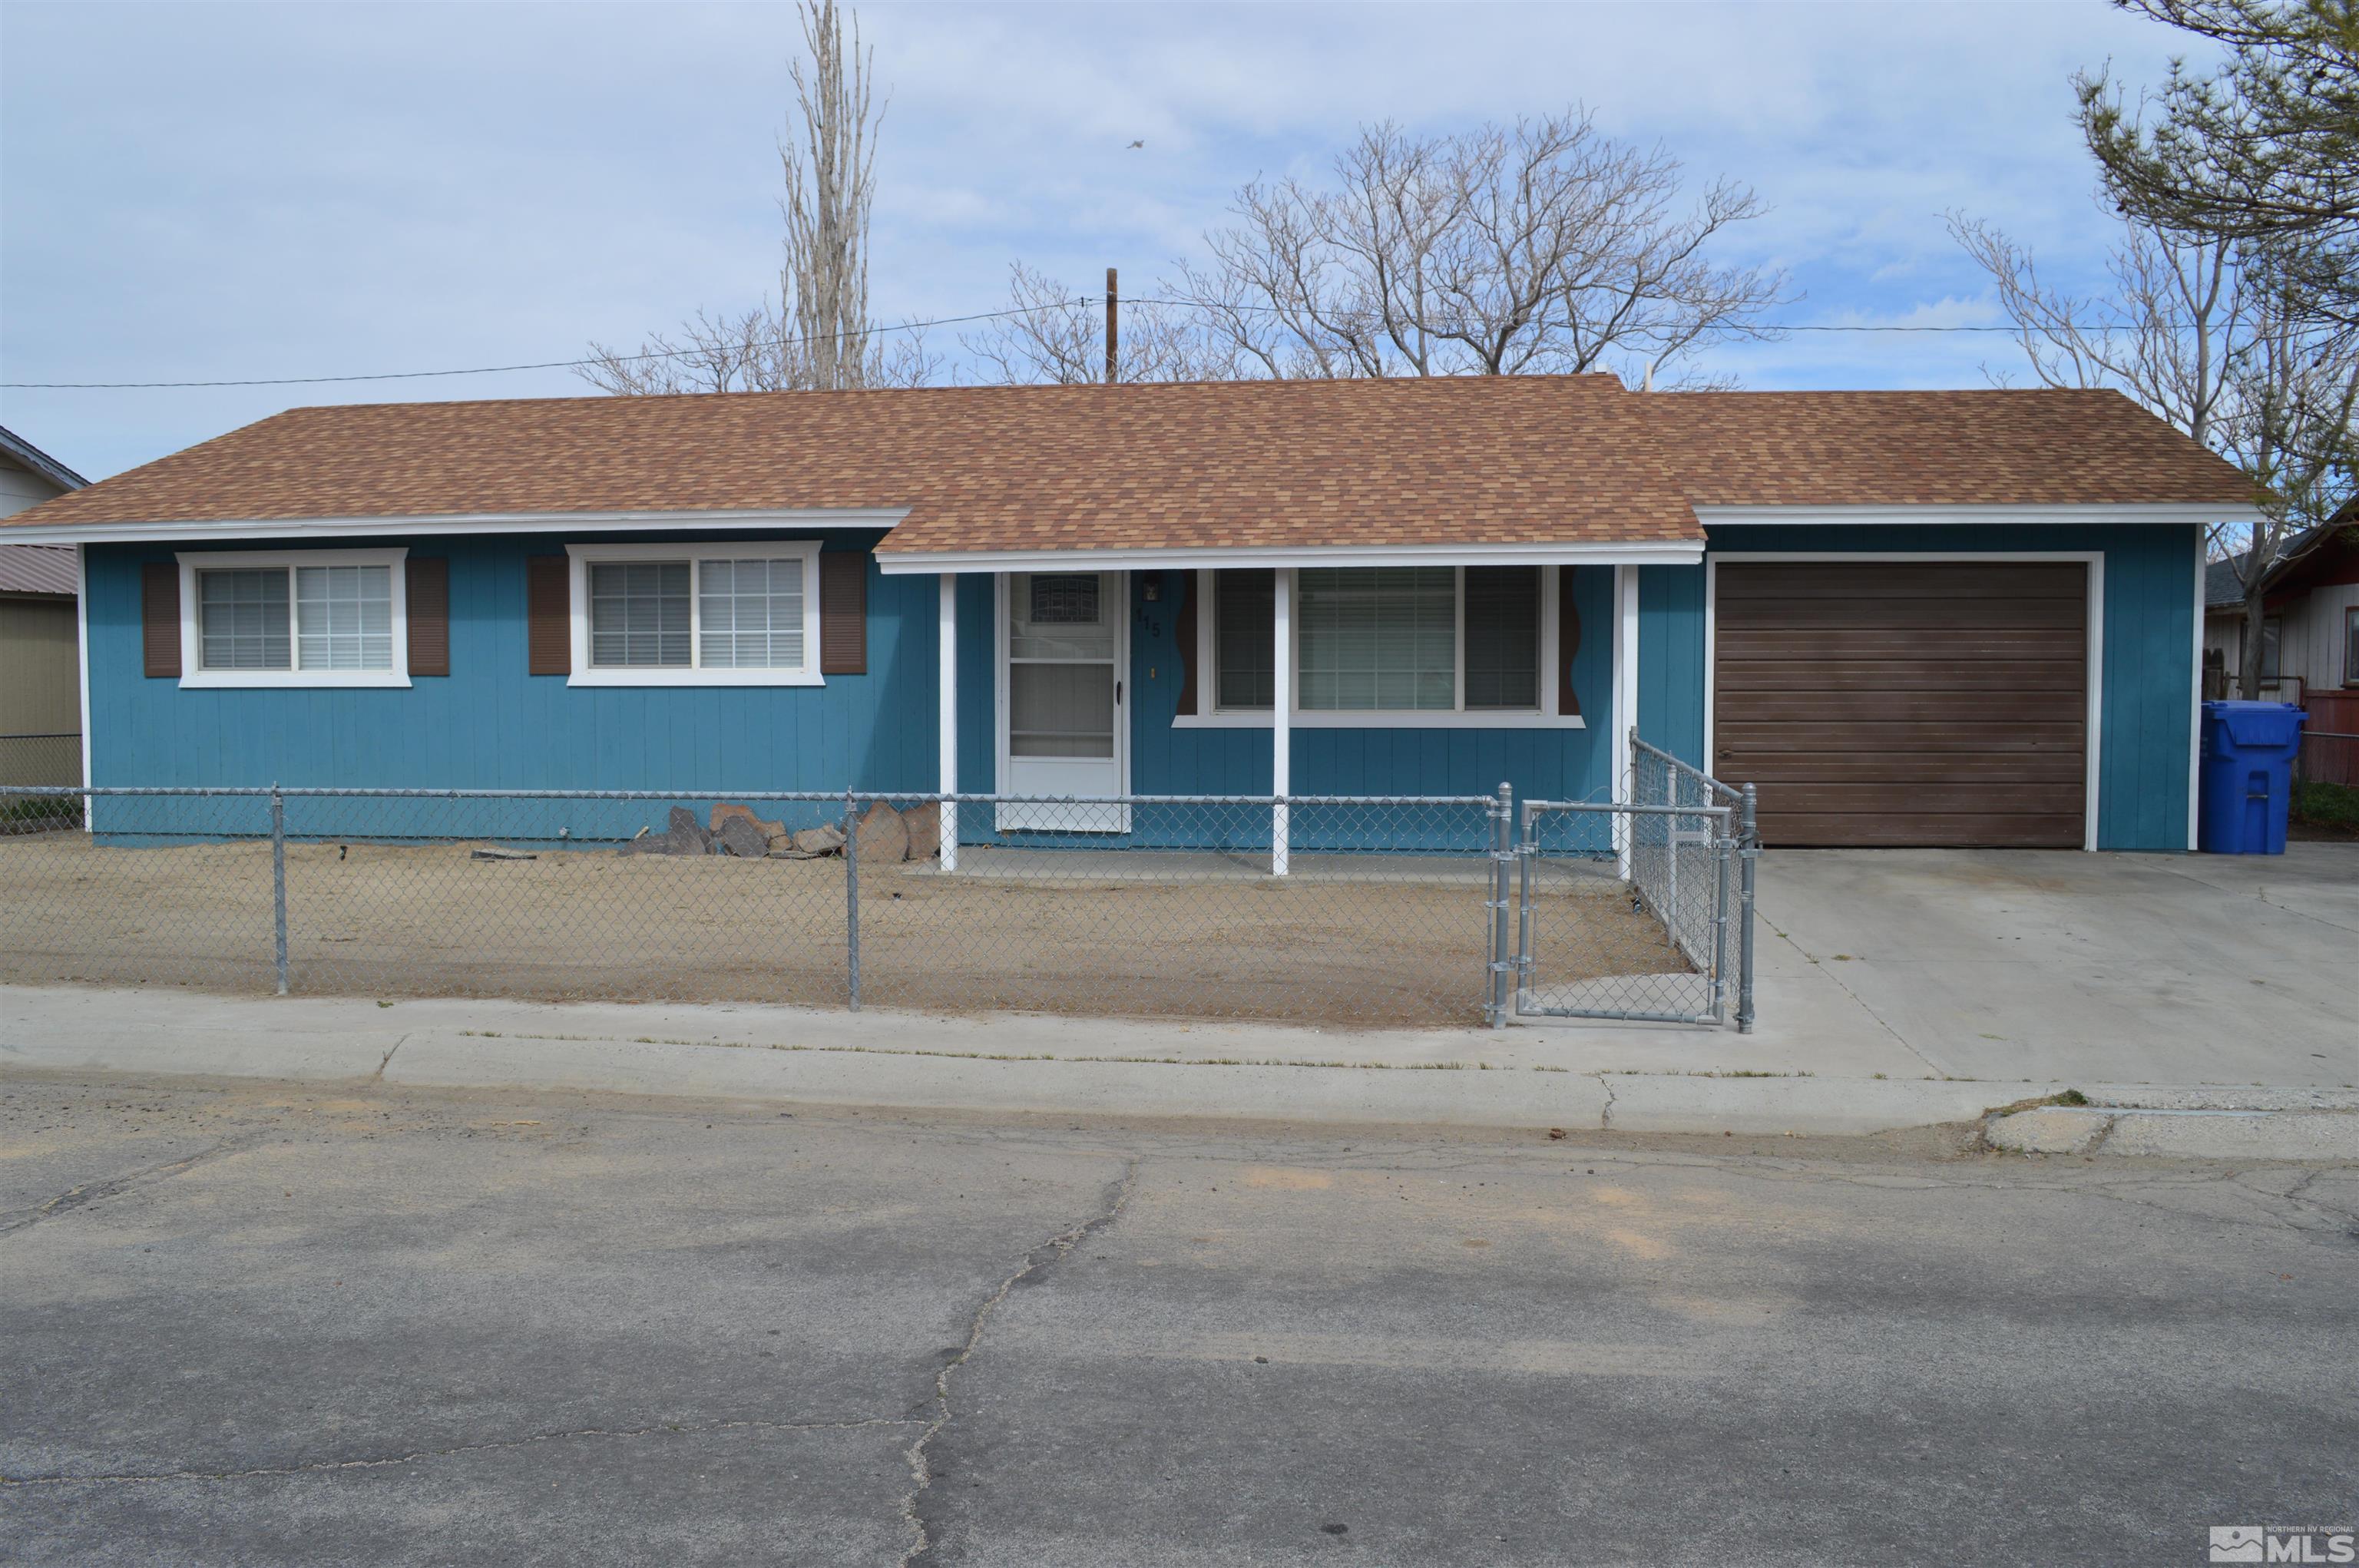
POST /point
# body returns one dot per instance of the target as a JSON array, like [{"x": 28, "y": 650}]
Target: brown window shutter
[
  {"x": 426, "y": 593},
  {"x": 1567, "y": 642},
  {"x": 1183, "y": 627},
  {"x": 160, "y": 619},
  {"x": 549, "y": 637},
  {"x": 843, "y": 612}
]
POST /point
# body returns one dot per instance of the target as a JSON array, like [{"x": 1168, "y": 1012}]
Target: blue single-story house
[{"x": 1968, "y": 617}]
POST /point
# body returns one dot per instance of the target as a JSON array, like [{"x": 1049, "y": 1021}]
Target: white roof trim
[
  {"x": 2089, "y": 512},
  {"x": 452, "y": 523},
  {"x": 1674, "y": 554}
]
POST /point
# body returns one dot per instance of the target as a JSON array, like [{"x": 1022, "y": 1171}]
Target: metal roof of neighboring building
[{"x": 37, "y": 569}]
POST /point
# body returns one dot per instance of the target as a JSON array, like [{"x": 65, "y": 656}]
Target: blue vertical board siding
[
  {"x": 2146, "y": 729},
  {"x": 1670, "y": 660},
  {"x": 1165, "y": 759},
  {"x": 489, "y": 724},
  {"x": 978, "y": 685}
]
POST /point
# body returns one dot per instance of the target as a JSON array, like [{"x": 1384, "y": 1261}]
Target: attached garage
[{"x": 1906, "y": 703}]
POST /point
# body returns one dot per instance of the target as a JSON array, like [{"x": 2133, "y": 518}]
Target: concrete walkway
[{"x": 1519, "y": 1079}]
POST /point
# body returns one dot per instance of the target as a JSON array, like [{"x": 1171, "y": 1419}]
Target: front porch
[{"x": 1427, "y": 676}]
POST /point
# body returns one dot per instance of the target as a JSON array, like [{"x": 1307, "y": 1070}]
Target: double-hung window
[
  {"x": 327, "y": 617},
  {"x": 1401, "y": 645},
  {"x": 717, "y": 614}
]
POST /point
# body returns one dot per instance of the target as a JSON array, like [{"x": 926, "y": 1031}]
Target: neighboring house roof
[
  {"x": 2327, "y": 553},
  {"x": 2224, "y": 583},
  {"x": 37, "y": 569},
  {"x": 2001, "y": 447},
  {"x": 39, "y": 462},
  {"x": 1228, "y": 465}
]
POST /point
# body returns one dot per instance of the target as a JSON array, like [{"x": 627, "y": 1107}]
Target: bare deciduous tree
[
  {"x": 1052, "y": 334},
  {"x": 2210, "y": 342},
  {"x": 831, "y": 181},
  {"x": 2164, "y": 335},
  {"x": 1543, "y": 245},
  {"x": 817, "y": 333}
]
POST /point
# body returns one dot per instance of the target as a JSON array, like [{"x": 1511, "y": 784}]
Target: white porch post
[
  {"x": 1626, "y": 702},
  {"x": 948, "y": 619},
  {"x": 1281, "y": 734}
]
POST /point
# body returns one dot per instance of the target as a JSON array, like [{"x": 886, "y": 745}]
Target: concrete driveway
[{"x": 2051, "y": 964}]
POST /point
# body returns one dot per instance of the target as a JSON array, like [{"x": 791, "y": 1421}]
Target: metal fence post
[
  {"x": 1503, "y": 849},
  {"x": 1749, "y": 852},
  {"x": 851, "y": 897},
  {"x": 1527, "y": 849},
  {"x": 278, "y": 884}
]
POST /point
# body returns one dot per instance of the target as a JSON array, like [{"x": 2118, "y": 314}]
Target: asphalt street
[{"x": 270, "y": 1325}]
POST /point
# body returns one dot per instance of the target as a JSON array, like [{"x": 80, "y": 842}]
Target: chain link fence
[
  {"x": 1678, "y": 856},
  {"x": 1391, "y": 911},
  {"x": 40, "y": 760}
]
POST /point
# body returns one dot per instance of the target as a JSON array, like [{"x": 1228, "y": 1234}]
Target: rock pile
[{"x": 886, "y": 836}]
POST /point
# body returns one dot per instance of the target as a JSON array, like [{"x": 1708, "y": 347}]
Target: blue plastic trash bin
[{"x": 2247, "y": 780}]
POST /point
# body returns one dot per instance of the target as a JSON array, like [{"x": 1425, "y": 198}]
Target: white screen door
[{"x": 1063, "y": 717}]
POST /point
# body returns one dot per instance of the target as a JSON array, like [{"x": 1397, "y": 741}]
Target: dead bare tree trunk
[
  {"x": 830, "y": 184},
  {"x": 816, "y": 333},
  {"x": 2248, "y": 666}
]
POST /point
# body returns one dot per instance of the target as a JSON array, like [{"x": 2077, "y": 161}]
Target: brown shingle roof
[
  {"x": 1533, "y": 459},
  {"x": 2039, "y": 446},
  {"x": 1210, "y": 464}
]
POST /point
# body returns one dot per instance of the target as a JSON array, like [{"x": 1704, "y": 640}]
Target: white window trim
[
  {"x": 582, "y": 557},
  {"x": 194, "y": 677},
  {"x": 1211, "y": 716}
]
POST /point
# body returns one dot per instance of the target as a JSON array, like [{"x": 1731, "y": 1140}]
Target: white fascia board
[
  {"x": 1383, "y": 719},
  {"x": 283, "y": 528},
  {"x": 2108, "y": 512},
  {"x": 1675, "y": 553}
]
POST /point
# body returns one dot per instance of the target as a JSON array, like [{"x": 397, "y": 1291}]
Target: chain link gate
[{"x": 1639, "y": 910}]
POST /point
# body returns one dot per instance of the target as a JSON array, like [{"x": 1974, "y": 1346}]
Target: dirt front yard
[{"x": 432, "y": 920}]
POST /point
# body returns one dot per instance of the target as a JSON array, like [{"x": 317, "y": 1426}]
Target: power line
[
  {"x": 534, "y": 365},
  {"x": 1758, "y": 328},
  {"x": 1083, "y": 302}
]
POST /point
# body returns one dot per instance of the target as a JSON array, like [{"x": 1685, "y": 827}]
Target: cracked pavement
[{"x": 268, "y": 1323}]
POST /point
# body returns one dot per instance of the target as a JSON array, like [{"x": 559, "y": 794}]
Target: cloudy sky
[{"x": 204, "y": 191}]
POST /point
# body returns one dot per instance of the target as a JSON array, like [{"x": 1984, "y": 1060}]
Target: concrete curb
[
  {"x": 2184, "y": 1132},
  {"x": 1108, "y": 1069}
]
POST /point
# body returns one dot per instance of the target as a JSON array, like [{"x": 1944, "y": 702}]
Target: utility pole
[{"x": 1113, "y": 326}]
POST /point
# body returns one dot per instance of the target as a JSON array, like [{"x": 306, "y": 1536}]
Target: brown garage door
[{"x": 1881, "y": 702}]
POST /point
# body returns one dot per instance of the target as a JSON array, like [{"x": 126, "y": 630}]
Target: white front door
[{"x": 1065, "y": 648}]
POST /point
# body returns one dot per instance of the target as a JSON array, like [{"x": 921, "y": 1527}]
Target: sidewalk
[{"x": 1632, "y": 1080}]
